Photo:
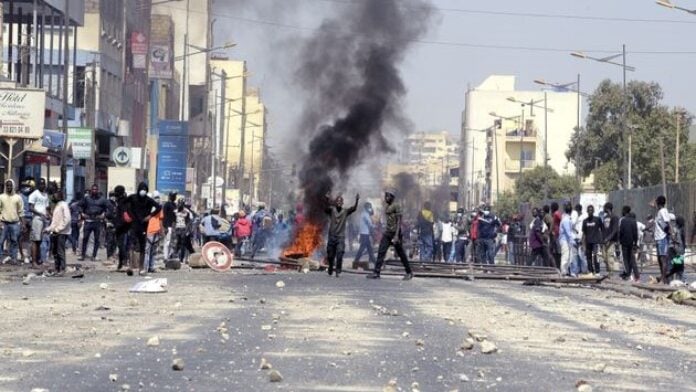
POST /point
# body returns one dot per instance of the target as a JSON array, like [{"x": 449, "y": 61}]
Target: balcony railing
[{"x": 515, "y": 134}]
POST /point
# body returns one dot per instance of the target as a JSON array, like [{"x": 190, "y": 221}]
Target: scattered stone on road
[
  {"x": 265, "y": 365},
  {"x": 178, "y": 364},
  {"x": 280, "y": 284},
  {"x": 103, "y": 286},
  {"x": 113, "y": 377},
  {"x": 467, "y": 344},
  {"x": 600, "y": 367},
  {"x": 488, "y": 347},
  {"x": 275, "y": 376},
  {"x": 153, "y": 341}
]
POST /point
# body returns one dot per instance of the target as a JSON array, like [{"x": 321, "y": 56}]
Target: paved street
[{"x": 327, "y": 334}]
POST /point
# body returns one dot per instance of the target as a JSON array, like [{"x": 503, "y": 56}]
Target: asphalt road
[{"x": 327, "y": 334}]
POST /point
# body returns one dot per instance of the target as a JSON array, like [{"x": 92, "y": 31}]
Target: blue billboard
[{"x": 172, "y": 156}]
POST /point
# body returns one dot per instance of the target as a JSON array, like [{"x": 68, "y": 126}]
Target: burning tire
[{"x": 217, "y": 256}]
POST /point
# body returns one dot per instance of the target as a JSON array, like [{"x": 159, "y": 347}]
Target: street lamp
[
  {"x": 625, "y": 68},
  {"x": 668, "y": 4}
]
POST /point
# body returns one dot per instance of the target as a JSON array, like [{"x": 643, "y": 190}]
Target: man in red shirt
[
  {"x": 474, "y": 238},
  {"x": 555, "y": 247}
]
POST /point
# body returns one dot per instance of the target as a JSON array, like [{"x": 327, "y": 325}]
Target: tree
[
  {"x": 602, "y": 146},
  {"x": 529, "y": 188}
]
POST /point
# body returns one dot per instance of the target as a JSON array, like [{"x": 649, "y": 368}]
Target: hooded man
[
  {"x": 488, "y": 226},
  {"x": 94, "y": 209},
  {"x": 11, "y": 210},
  {"x": 140, "y": 209}
]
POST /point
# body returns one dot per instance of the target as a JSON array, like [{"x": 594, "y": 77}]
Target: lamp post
[
  {"x": 625, "y": 68},
  {"x": 668, "y": 4}
]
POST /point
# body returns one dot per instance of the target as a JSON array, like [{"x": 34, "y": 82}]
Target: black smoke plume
[{"x": 349, "y": 71}]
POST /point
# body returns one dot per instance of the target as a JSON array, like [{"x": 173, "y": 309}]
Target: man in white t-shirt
[
  {"x": 38, "y": 205},
  {"x": 662, "y": 233}
]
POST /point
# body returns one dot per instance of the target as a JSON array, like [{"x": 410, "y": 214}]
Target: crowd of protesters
[{"x": 139, "y": 231}]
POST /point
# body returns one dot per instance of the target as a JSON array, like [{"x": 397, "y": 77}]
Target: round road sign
[
  {"x": 121, "y": 156},
  {"x": 217, "y": 256}
]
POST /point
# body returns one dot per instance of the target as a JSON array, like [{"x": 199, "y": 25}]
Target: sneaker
[
  {"x": 407, "y": 277},
  {"x": 27, "y": 260},
  {"x": 81, "y": 258},
  {"x": 338, "y": 273},
  {"x": 6, "y": 260},
  {"x": 330, "y": 271},
  {"x": 372, "y": 276},
  {"x": 143, "y": 272},
  {"x": 129, "y": 272}
]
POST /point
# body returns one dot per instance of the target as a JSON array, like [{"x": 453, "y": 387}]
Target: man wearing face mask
[
  {"x": 94, "y": 209},
  {"x": 592, "y": 235},
  {"x": 11, "y": 209},
  {"x": 140, "y": 209},
  {"x": 366, "y": 228}
]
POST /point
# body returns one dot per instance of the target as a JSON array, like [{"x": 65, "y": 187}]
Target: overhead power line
[{"x": 449, "y": 43}]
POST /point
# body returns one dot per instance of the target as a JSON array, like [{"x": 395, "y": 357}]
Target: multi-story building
[
  {"x": 502, "y": 137},
  {"x": 38, "y": 51},
  {"x": 431, "y": 158}
]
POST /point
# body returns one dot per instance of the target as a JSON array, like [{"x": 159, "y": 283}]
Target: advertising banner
[
  {"x": 22, "y": 113},
  {"x": 139, "y": 49},
  {"x": 172, "y": 156},
  {"x": 82, "y": 141},
  {"x": 160, "y": 61}
]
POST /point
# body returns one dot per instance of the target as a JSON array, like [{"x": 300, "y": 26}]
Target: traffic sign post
[{"x": 121, "y": 156}]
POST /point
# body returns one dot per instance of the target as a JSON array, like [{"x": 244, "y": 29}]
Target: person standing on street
[
  {"x": 425, "y": 232},
  {"x": 75, "y": 212},
  {"x": 566, "y": 239},
  {"x": 140, "y": 208},
  {"x": 611, "y": 237},
  {"x": 168, "y": 221},
  {"x": 662, "y": 236},
  {"x": 446, "y": 239},
  {"x": 537, "y": 231},
  {"x": 366, "y": 228},
  {"x": 59, "y": 229},
  {"x": 94, "y": 209},
  {"x": 11, "y": 210},
  {"x": 592, "y": 234},
  {"x": 242, "y": 233},
  {"x": 336, "y": 244},
  {"x": 488, "y": 226},
  {"x": 628, "y": 238},
  {"x": 38, "y": 204},
  {"x": 462, "y": 237},
  {"x": 391, "y": 237},
  {"x": 154, "y": 236},
  {"x": 122, "y": 221}
]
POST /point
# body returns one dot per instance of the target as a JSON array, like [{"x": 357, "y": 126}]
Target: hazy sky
[{"x": 437, "y": 74}]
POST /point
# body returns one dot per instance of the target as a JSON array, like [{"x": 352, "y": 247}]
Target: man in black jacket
[
  {"x": 592, "y": 235},
  {"x": 94, "y": 209},
  {"x": 122, "y": 223},
  {"x": 168, "y": 220},
  {"x": 141, "y": 208},
  {"x": 628, "y": 238},
  {"x": 611, "y": 237}
]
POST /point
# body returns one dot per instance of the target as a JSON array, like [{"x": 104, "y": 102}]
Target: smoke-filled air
[{"x": 349, "y": 70}]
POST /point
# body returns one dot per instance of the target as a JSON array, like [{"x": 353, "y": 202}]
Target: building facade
[{"x": 502, "y": 137}]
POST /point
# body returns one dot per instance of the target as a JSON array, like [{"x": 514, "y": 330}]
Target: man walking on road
[
  {"x": 662, "y": 236},
  {"x": 628, "y": 237},
  {"x": 94, "y": 209},
  {"x": 11, "y": 210},
  {"x": 488, "y": 225},
  {"x": 168, "y": 220},
  {"x": 566, "y": 239},
  {"x": 365, "y": 228},
  {"x": 391, "y": 236},
  {"x": 336, "y": 245}
]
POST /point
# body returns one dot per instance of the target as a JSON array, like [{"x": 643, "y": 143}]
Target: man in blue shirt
[{"x": 566, "y": 238}]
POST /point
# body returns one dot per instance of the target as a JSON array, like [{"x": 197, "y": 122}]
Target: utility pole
[
  {"x": 627, "y": 169},
  {"x": 522, "y": 127},
  {"x": 223, "y": 89},
  {"x": 546, "y": 145},
  {"x": 676, "y": 166},
  {"x": 66, "y": 64},
  {"x": 242, "y": 142},
  {"x": 662, "y": 167}
]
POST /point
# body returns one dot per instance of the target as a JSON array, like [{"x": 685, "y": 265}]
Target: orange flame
[{"x": 307, "y": 239}]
